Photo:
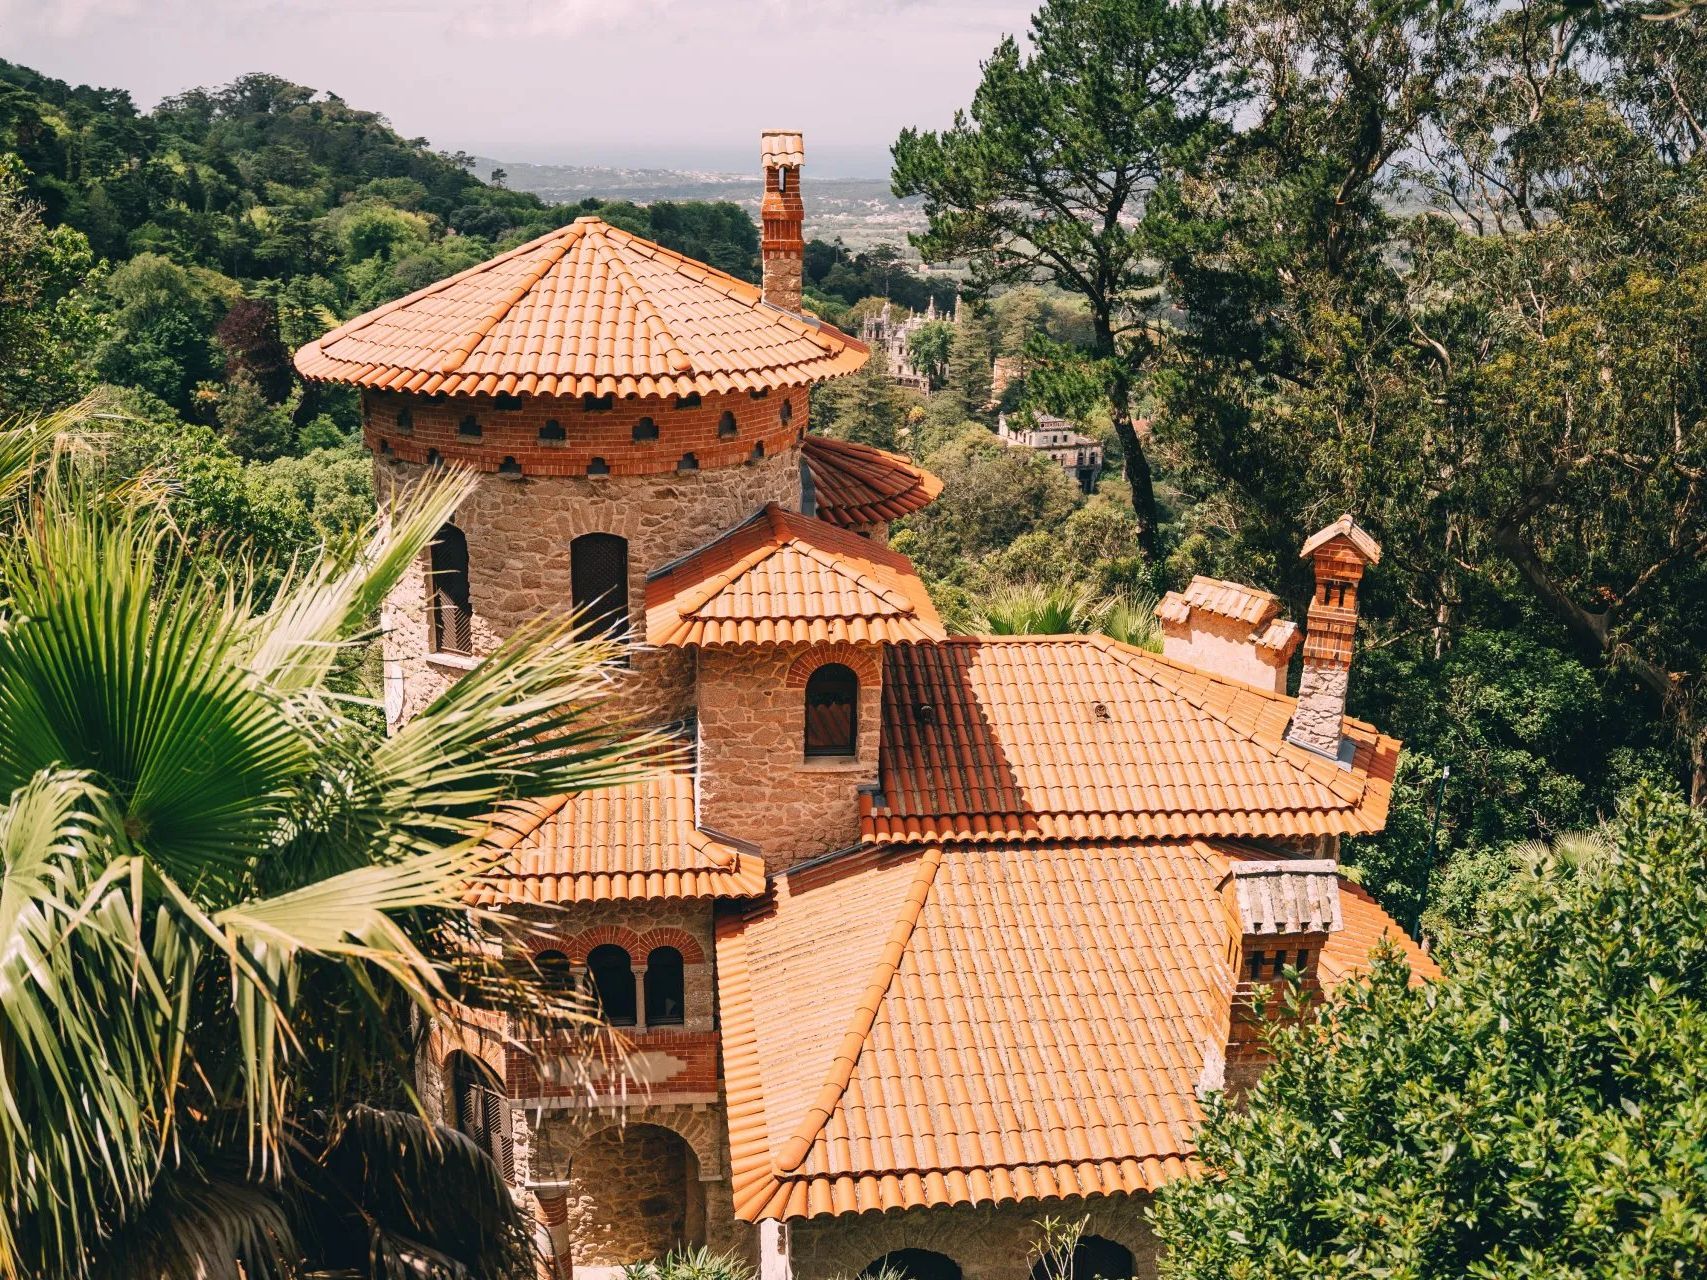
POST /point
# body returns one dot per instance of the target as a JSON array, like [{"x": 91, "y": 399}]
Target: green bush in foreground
[{"x": 1540, "y": 1112}]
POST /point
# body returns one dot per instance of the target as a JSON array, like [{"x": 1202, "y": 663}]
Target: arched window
[
  {"x": 832, "y": 711},
  {"x": 554, "y": 969},
  {"x": 598, "y": 582},
  {"x": 912, "y": 1264},
  {"x": 664, "y": 995},
  {"x": 478, "y": 1108},
  {"x": 612, "y": 975},
  {"x": 450, "y": 613},
  {"x": 1093, "y": 1258}
]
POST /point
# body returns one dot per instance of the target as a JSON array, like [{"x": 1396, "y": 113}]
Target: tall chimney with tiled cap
[
  {"x": 782, "y": 216},
  {"x": 1340, "y": 553}
]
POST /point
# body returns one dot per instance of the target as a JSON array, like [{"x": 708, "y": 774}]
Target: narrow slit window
[
  {"x": 451, "y": 613},
  {"x": 598, "y": 582}
]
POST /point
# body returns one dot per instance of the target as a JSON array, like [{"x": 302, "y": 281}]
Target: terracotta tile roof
[
  {"x": 1367, "y": 927},
  {"x": 617, "y": 843},
  {"x": 1079, "y": 737},
  {"x": 784, "y": 578},
  {"x": 1286, "y": 896},
  {"x": 857, "y": 485},
  {"x": 986, "y": 1023},
  {"x": 1348, "y": 528},
  {"x": 782, "y": 146},
  {"x": 584, "y": 310}
]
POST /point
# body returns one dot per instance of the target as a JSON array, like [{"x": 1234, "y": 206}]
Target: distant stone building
[
  {"x": 930, "y": 936},
  {"x": 882, "y": 332},
  {"x": 1079, "y": 455}
]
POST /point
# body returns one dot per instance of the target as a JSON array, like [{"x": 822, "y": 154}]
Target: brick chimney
[
  {"x": 1280, "y": 915},
  {"x": 781, "y": 215},
  {"x": 1339, "y": 553}
]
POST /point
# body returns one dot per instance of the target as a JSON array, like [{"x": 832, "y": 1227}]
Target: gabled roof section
[
  {"x": 784, "y": 578},
  {"x": 1235, "y": 602},
  {"x": 987, "y": 1023},
  {"x": 1080, "y": 737},
  {"x": 636, "y": 841},
  {"x": 584, "y": 310},
  {"x": 1348, "y": 528},
  {"x": 857, "y": 485}
]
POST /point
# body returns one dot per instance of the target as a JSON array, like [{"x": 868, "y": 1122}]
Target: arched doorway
[
  {"x": 634, "y": 1195},
  {"x": 1094, "y": 1258},
  {"x": 911, "y": 1264}
]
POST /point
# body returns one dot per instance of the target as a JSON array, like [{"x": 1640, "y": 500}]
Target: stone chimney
[
  {"x": 1279, "y": 917},
  {"x": 1340, "y": 553},
  {"x": 782, "y": 215}
]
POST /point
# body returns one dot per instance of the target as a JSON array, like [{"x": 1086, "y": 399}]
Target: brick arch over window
[
  {"x": 861, "y": 661},
  {"x": 680, "y": 939},
  {"x": 615, "y": 935}
]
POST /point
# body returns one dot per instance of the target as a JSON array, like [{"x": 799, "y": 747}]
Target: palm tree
[
  {"x": 1066, "y": 607},
  {"x": 229, "y": 903}
]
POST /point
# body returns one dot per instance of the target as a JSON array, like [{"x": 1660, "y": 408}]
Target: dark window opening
[
  {"x": 759, "y": 393},
  {"x": 758, "y": 453},
  {"x": 646, "y": 429},
  {"x": 1272, "y": 964},
  {"x": 598, "y": 467},
  {"x": 832, "y": 711},
  {"x": 385, "y": 446},
  {"x": 469, "y": 426},
  {"x": 598, "y": 583},
  {"x": 509, "y": 467},
  {"x": 504, "y": 400},
  {"x": 553, "y": 430},
  {"x": 782, "y": 180},
  {"x": 687, "y": 463},
  {"x": 726, "y": 428},
  {"x": 787, "y": 412},
  {"x": 451, "y": 614},
  {"x": 689, "y": 401},
  {"x": 405, "y": 420},
  {"x": 665, "y": 998},
  {"x": 599, "y": 404},
  {"x": 1093, "y": 1258},
  {"x": 912, "y": 1264},
  {"x": 433, "y": 458},
  {"x": 611, "y": 973},
  {"x": 555, "y": 971}
]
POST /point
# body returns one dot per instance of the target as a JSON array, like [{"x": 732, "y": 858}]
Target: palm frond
[
  {"x": 100, "y": 672},
  {"x": 201, "y": 1225},
  {"x": 320, "y": 606},
  {"x": 1038, "y": 608},
  {"x": 1131, "y": 619},
  {"x": 79, "y": 1065}
]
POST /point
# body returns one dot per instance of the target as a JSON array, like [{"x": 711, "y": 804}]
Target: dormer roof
[
  {"x": 1235, "y": 602},
  {"x": 583, "y": 310},
  {"x": 858, "y": 485},
  {"x": 785, "y": 578},
  {"x": 637, "y": 841}
]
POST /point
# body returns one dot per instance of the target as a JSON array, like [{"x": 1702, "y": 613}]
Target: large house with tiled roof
[{"x": 930, "y": 936}]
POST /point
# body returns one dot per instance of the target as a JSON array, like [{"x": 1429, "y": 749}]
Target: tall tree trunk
[{"x": 1139, "y": 478}]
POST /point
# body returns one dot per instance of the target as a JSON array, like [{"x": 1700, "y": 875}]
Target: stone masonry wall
[
  {"x": 755, "y": 781},
  {"x": 519, "y": 533},
  {"x": 989, "y": 1242}
]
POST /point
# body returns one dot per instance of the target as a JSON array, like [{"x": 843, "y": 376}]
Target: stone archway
[{"x": 634, "y": 1194}]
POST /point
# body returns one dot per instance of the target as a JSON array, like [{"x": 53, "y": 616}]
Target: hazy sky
[{"x": 668, "y": 83}]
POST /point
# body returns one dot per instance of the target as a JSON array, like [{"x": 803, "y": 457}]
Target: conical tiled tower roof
[{"x": 585, "y": 310}]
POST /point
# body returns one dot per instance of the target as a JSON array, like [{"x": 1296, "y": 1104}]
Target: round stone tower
[{"x": 621, "y": 404}]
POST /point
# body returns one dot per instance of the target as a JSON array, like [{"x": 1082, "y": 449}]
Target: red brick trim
[
  {"x": 582, "y": 944},
  {"x": 680, "y": 939},
  {"x": 861, "y": 659}
]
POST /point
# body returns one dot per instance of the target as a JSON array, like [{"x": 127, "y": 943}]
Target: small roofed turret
[{"x": 1339, "y": 554}]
